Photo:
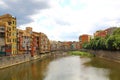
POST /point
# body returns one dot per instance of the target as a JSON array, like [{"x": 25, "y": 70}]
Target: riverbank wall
[
  {"x": 8, "y": 61},
  {"x": 109, "y": 55}
]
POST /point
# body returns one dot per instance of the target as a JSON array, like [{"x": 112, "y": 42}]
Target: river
[{"x": 63, "y": 68}]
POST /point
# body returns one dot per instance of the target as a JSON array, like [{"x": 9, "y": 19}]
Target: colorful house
[
  {"x": 75, "y": 45},
  {"x": 56, "y": 45},
  {"x": 100, "y": 33},
  {"x": 3, "y": 26},
  {"x": 104, "y": 33},
  {"x": 8, "y": 29},
  {"x": 35, "y": 43},
  {"x": 44, "y": 45},
  {"x": 24, "y": 40},
  {"x": 84, "y": 38}
]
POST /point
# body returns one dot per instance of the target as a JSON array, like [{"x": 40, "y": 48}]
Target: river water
[{"x": 63, "y": 68}]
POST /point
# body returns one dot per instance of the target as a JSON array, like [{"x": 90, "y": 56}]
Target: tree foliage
[
  {"x": 110, "y": 42},
  {"x": 117, "y": 32}
]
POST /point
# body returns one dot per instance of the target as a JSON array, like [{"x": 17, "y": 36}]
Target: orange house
[
  {"x": 84, "y": 38},
  {"x": 100, "y": 33}
]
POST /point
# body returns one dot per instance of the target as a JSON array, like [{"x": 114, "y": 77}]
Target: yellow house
[
  {"x": 44, "y": 44},
  {"x": 10, "y": 34},
  {"x": 3, "y": 26}
]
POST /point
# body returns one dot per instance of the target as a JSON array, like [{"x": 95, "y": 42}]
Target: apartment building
[
  {"x": 104, "y": 33},
  {"x": 75, "y": 45},
  {"x": 100, "y": 33},
  {"x": 8, "y": 31},
  {"x": 84, "y": 38},
  {"x": 56, "y": 45},
  {"x": 3, "y": 26},
  {"x": 20, "y": 41},
  {"x": 24, "y": 39},
  {"x": 44, "y": 45},
  {"x": 35, "y": 43}
]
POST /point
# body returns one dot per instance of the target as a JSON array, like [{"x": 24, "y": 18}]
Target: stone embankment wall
[
  {"x": 110, "y": 55},
  {"x": 14, "y": 60},
  {"x": 8, "y": 61}
]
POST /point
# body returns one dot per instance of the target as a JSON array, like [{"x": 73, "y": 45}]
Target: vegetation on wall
[
  {"x": 82, "y": 54},
  {"x": 110, "y": 42}
]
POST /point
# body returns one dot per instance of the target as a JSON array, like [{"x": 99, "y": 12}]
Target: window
[
  {"x": 9, "y": 23},
  {"x": 2, "y": 35},
  {"x": 7, "y": 40},
  {"x": 2, "y": 29},
  {"x": 13, "y": 22}
]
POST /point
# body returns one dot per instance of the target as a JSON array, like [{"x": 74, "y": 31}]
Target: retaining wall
[
  {"x": 6, "y": 61},
  {"x": 14, "y": 60},
  {"x": 110, "y": 55}
]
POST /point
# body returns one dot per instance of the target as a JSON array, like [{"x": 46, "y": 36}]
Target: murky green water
[{"x": 63, "y": 68}]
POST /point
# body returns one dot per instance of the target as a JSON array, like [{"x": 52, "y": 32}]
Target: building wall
[
  {"x": 104, "y": 33},
  {"x": 101, "y": 33},
  {"x": 44, "y": 44},
  {"x": 84, "y": 38},
  {"x": 75, "y": 45},
  {"x": 24, "y": 40},
  {"x": 66, "y": 45},
  {"x": 35, "y": 43},
  {"x": 55, "y": 45},
  {"x": 110, "y": 30},
  {"x": 10, "y": 33},
  {"x": 2, "y": 38},
  {"x": 20, "y": 41}
]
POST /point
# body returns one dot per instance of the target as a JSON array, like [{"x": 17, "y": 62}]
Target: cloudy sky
[{"x": 63, "y": 20}]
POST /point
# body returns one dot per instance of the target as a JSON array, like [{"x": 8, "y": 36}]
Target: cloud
[
  {"x": 67, "y": 20},
  {"x": 69, "y": 36},
  {"x": 60, "y": 22},
  {"x": 23, "y": 9},
  {"x": 64, "y": 19}
]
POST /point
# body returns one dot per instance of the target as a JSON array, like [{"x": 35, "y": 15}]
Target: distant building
[
  {"x": 84, "y": 38},
  {"x": 100, "y": 33},
  {"x": 75, "y": 45},
  {"x": 8, "y": 32},
  {"x": 54, "y": 45},
  {"x": 104, "y": 33},
  {"x": 110, "y": 30},
  {"x": 65, "y": 45}
]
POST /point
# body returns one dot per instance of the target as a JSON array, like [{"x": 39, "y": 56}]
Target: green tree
[
  {"x": 101, "y": 43},
  {"x": 117, "y": 42},
  {"x": 117, "y": 32},
  {"x": 109, "y": 43}
]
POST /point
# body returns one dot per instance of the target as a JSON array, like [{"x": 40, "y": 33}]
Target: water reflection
[
  {"x": 63, "y": 68},
  {"x": 27, "y": 71},
  {"x": 73, "y": 68},
  {"x": 114, "y": 68}
]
